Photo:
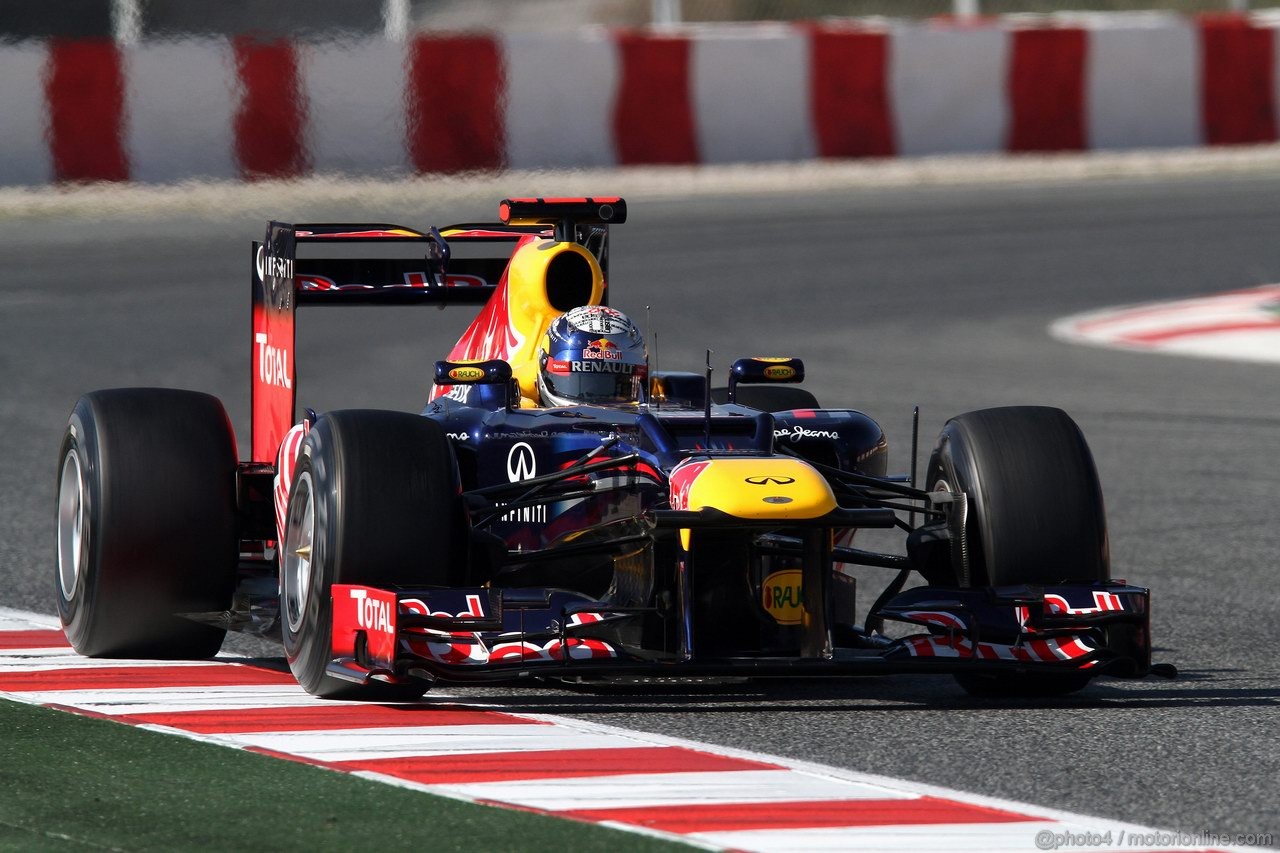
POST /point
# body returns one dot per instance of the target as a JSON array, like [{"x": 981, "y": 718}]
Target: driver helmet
[{"x": 594, "y": 355}]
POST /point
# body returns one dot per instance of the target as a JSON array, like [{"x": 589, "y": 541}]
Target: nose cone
[{"x": 752, "y": 488}]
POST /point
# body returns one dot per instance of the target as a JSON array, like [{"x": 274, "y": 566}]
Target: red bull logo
[{"x": 602, "y": 348}]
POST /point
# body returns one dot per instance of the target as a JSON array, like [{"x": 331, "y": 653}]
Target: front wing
[{"x": 494, "y": 634}]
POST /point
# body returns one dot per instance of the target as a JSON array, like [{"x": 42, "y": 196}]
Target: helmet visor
[{"x": 593, "y": 381}]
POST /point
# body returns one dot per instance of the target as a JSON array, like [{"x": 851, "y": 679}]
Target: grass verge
[{"x": 78, "y": 783}]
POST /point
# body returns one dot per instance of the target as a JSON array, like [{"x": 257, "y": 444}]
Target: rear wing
[
  {"x": 423, "y": 273},
  {"x": 378, "y": 264},
  {"x": 386, "y": 264}
]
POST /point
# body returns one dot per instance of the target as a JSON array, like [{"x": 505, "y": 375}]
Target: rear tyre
[
  {"x": 146, "y": 523},
  {"x": 374, "y": 500},
  {"x": 1035, "y": 514}
]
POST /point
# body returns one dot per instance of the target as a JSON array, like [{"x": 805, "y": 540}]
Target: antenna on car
[
  {"x": 649, "y": 374},
  {"x": 706, "y": 396},
  {"x": 915, "y": 447}
]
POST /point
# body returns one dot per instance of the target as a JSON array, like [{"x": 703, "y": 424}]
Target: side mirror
[
  {"x": 492, "y": 372},
  {"x": 764, "y": 371}
]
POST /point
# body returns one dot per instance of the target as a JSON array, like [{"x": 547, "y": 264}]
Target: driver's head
[{"x": 592, "y": 355}]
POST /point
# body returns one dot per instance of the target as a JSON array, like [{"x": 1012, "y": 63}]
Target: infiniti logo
[
  {"x": 521, "y": 463},
  {"x": 764, "y": 481},
  {"x": 276, "y": 275}
]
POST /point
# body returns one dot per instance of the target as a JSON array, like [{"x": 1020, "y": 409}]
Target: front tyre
[
  {"x": 1035, "y": 515},
  {"x": 1035, "y": 512},
  {"x": 146, "y": 523},
  {"x": 375, "y": 500}
]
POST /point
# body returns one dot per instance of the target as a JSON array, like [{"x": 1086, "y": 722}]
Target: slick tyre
[
  {"x": 146, "y": 523},
  {"x": 374, "y": 500},
  {"x": 1035, "y": 514}
]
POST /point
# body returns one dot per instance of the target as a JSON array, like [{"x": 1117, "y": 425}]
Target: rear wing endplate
[{"x": 365, "y": 276}]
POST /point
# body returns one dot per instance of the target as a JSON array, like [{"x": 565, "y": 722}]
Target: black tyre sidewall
[
  {"x": 1035, "y": 513},
  {"x": 158, "y": 468},
  {"x": 951, "y": 463},
  {"x": 308, "y": 649},
  {"x": 76, "y": 615}
]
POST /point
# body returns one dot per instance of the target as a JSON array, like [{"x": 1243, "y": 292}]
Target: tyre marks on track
[
  {"x": 707, "y": 796},
  {"x": 1242, "y": 325}
]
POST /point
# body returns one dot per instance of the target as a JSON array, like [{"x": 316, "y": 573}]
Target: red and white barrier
[
  {"x": 181, "y": 113},
  {"x": 559, "y": 98},
  {"x": 250, "y": 108},
  {"x": 355, "y": 92},
  {"x": 948, "y": 89},
  {"x": 24, "y": 157},
  {"x": 1143, "y": 86},
  {"x": 749, "y": 88}
]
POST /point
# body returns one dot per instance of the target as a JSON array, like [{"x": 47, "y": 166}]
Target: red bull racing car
[{"x": 558, "y": 509}]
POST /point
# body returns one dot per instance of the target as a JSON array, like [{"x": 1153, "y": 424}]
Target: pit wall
[{"x": 247, "y": 108}]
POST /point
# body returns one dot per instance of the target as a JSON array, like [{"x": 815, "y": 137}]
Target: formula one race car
[{"x": 557, "y": 509}]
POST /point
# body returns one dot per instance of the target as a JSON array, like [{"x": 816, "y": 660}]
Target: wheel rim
[
  {"x": 298, "y": 539},
  {"x": 73, "y": 524},
  {"x": 965, "y": 555}
]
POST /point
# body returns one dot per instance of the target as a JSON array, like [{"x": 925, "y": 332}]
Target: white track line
[
  {"x": 168, "y": 700},
  {"x": 675, "y": 789},
  {"x": 21, "y": 620},
  {"x": 403, "y": 742},
  {"x": 37, "y": 660}
]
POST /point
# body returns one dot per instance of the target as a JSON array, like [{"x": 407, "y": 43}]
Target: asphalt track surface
[{"x": 894, "y": 297}]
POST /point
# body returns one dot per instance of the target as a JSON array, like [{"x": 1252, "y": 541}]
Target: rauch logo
[{"x": 783, "y": 596}]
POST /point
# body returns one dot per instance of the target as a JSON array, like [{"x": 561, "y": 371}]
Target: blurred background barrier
[{"x": 167, "y": 90}]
